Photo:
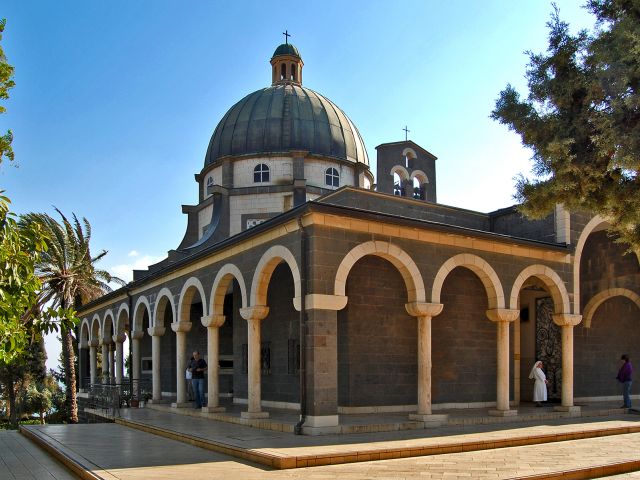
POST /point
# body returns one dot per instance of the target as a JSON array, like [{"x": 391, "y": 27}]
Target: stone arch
[
  {"x": 597, "y": 300},
  {"x": 189, "y": 289},
  {"x": 107, "y": 322},
  {"x": 138, "y": 313},
  {"x": 85, "y": 330},
  {"x": 122, "y": 319},
  {"x": 479, "y": 266},
  {"x": 394, "y": 254},
  {"x": 420, "y": 175},
  {"x": 594, "y": 223},
  {"x": 225, "y": 276},
  {"x": 401, "y": 171},
  {"x": 262, "y": 275},
  {"x": 409, "y": 152},
  {"x": 164, "y": 296},
  {"x": 96, "y": 330},
  {"x": 551, "y": 280}
]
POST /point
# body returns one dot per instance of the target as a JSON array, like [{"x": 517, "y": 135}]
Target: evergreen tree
[
  {"x": 18, "y": 374},
  {"x": 581, "y": 119}
]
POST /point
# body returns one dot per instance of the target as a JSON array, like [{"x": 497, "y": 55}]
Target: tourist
[
  {"x": 624, "y": 377},
  {"x": 540, "y": 385},
  {"x": 188, "y": 377},
  {"x": 198, "y": 366}
]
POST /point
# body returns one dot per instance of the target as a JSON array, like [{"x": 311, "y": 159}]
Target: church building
[{"x": 310, "y": 286}]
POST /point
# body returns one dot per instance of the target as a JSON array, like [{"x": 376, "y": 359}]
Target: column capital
[
  {"x": 120, "y": 338},
  {"x": 156, "y": 331},
  {"x": 566, "y": 319},
  {"x": 317, "y": 301},
  {"x": 257, "y": 312},
  {"x": 503, "y": 314},
  {"x": 137, "y": 334},
  {"x": 213, "y": 321},
  {"x": 423, "y": 309},
  {"x": 94, "y": 343},
  {"x": 181, "y": 326}
]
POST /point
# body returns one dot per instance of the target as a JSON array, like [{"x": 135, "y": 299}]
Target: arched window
[
  {"x": 261, "y": 173},
  {"x": 417, "y": 189},
  {"x": 397, "y": 184},
  {"x": 331, "y": 177},
  {"x": 293, "y": 72},
  {"x": 283, "y": 71},
  {"x": 208, "y": 184}
]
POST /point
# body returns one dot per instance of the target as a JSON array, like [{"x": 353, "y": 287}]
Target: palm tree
[{"x": 69, "y": 279}]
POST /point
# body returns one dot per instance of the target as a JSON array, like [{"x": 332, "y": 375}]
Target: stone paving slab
[
  {"x": 117, "y": 452},
  {"x": 21, "y": 459},
  {"x": 283, "y": 450}
]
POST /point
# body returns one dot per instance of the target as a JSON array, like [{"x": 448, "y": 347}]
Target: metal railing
[{"x": 111, "y": 397}]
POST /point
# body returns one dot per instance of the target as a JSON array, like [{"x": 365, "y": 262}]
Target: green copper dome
[
  {"x": 282, "y": 118},
  {"x": 286, "y": 49}
]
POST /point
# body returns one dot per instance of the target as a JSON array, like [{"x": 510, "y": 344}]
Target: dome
[
  {"x": 286, "y": 49},
  {"x": 282, "y": 118}
]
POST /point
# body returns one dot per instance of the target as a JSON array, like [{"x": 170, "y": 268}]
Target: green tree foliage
[
  {"x": 581, "y": 119},
  {"x": 69, "y": 279},
  {"x": 24, "y": 316},
  {"x": 42, "y": 398},
  {"x": 20, "y": 247},
  {"x": 6, "y": 83}
]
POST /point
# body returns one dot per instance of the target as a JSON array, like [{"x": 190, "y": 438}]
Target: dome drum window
[
  {"x": 261, "y": 173},
  {"x": 332, "y": 177}
]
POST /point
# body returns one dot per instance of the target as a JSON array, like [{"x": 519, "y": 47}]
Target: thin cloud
[{"x": 141, "y": 262}]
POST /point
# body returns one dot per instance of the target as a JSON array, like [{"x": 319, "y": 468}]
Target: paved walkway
[
  {"x": 112, "y": 451},
  {"x": 21, "y": 459}
]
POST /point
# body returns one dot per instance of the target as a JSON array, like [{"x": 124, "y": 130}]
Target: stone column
[
  {"x": 566, "y": 322},
  {"x": 213, "y": 324},
  {"x": 502, "y": 317},
  {"x": 424, "y": 313},
  {"x": 119, "y": 340},
  {"x": 321, "y": 363},
  {"x": 93, "y": 353},
  {"x": 156, "y": 333},
  {"x": 82, "y": 367},
  {"x": 253, "y": 316},
  {"x": 112, "y": 368},
  {"x": 105, "y": 361},
  {"x": 181, "y": 329},
  {"x": 136, "y": 336}
]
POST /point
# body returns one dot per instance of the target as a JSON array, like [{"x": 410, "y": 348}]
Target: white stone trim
[
  {"x": 320, "y": 421},
  {"x": 269, "y": 404}
]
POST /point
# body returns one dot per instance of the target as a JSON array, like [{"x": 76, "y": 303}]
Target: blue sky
[{"x": 115, "y": 102}]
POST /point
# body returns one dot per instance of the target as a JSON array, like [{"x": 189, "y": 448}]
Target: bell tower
[
  {"x": 407, "y": 170},
  {"x": 286, "y": 64}
]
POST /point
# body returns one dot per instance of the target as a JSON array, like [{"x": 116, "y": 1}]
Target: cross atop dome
[{"x": 286, "y": 37}]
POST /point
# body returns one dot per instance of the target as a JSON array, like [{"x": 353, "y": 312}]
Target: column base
[
  {"x": 571, "y": 409},
  {"x": 252, "y": 415},
  {"x": 182, "y": 405},
  {"x": 503, "y": 413},
  {"x": 430, "y": 420},
  {"x": 213, "y": 409}
]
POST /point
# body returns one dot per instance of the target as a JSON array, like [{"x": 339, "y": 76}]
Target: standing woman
[{"x": 540, "y": 387}]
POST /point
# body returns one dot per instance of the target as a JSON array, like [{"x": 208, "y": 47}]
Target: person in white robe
[{"x": 540, "y": 385}]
